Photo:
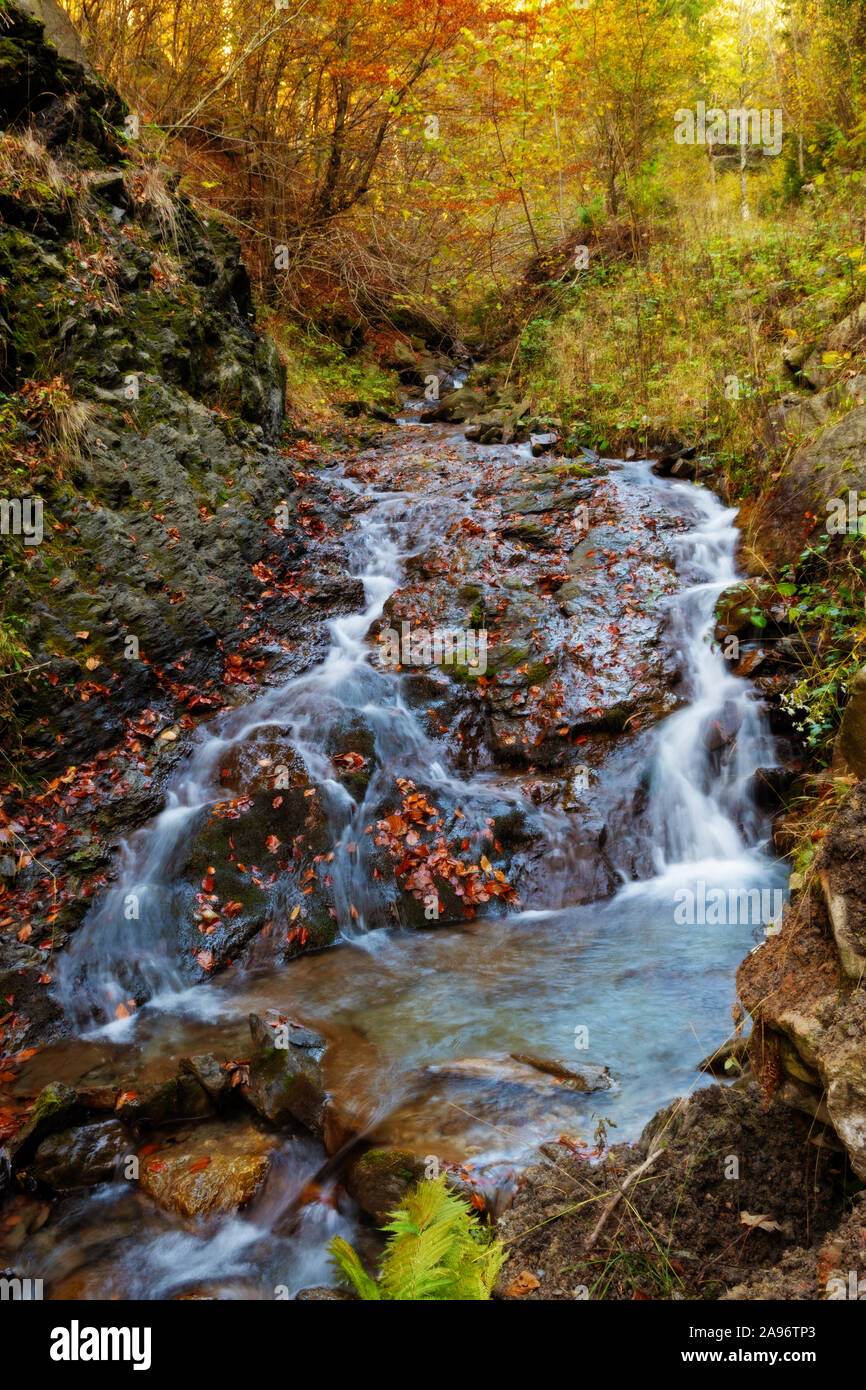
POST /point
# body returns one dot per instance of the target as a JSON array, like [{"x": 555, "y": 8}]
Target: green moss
[
  {"x": 397, "y": 1161},
  {"x": 51, "y": 1102}
]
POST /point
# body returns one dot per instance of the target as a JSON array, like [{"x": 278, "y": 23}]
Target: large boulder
[
  {"x": 819, "y": 475},
  {"x": 217, "y": 1167},
  {"x": 59, "y": 29},
  {"x": 456, "y": 406},
  {"x": 815, "y": 364}
]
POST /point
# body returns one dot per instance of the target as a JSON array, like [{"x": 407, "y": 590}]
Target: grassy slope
[{"x": 685, "y": 344}]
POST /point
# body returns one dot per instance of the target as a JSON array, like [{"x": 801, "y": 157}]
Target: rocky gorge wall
[{"x": 142, "y": 414}]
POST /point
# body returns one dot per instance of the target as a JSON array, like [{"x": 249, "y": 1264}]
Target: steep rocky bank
[{"x": 147, "y": 410}]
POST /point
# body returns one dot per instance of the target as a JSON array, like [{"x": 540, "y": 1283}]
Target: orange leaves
[
  {"x": 352, "y": 762},
  {"x": 242, "y": 669},
  {"x": 289, "y": 588},
  {"x": 524, "y": 1283},
  {"x": 420, "y": 862},
  {"x": 239, "y": 1073}
]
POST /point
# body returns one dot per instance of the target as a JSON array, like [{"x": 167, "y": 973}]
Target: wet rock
[
  {"x": 541, "y": 443},
  {"x": 286, "y": 1077},
  {"x": 524, "y": 1069},
  {"x": 97, "y": 1097},
  {"x": 678, "y": 463},
  {"x": 771, "y": 786},
  {"x": 320, "y": 1294},
  {"x": 55, "y": 1109},
  {"x": 279, "y": 831},
  {"x": 82, "y": 1156},
  {"x": 211, "y": 1076},
  {"x": 379, "y": 1179},
  {"x": 532, "y": 533},
  {"x": 585, "y": 1078},
  {"x": 722, "y": 731},
  {"x": 163, "y": 1103},
  {"x": 213, "y": 1168},
  {"x": 555, "y": 499}
]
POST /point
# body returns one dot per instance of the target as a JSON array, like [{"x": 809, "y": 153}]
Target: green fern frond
[
  {"x": 414, "y": 1265},
  {"x": 435, "y": 1252},
  {"x": 345, "y": 1260}
]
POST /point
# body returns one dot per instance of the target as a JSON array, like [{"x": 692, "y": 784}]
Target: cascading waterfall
[{"x": 649, "y": 988}]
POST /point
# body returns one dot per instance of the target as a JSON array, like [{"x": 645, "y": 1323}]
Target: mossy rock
[
  {"x": 55, "y": 1109},
  {"x": 379, "y": 1180}
]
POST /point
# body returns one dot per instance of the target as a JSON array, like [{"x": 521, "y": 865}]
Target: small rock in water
[
  {"x": 521, "y": 1069},
  {"x": 541, "y": 443}
]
